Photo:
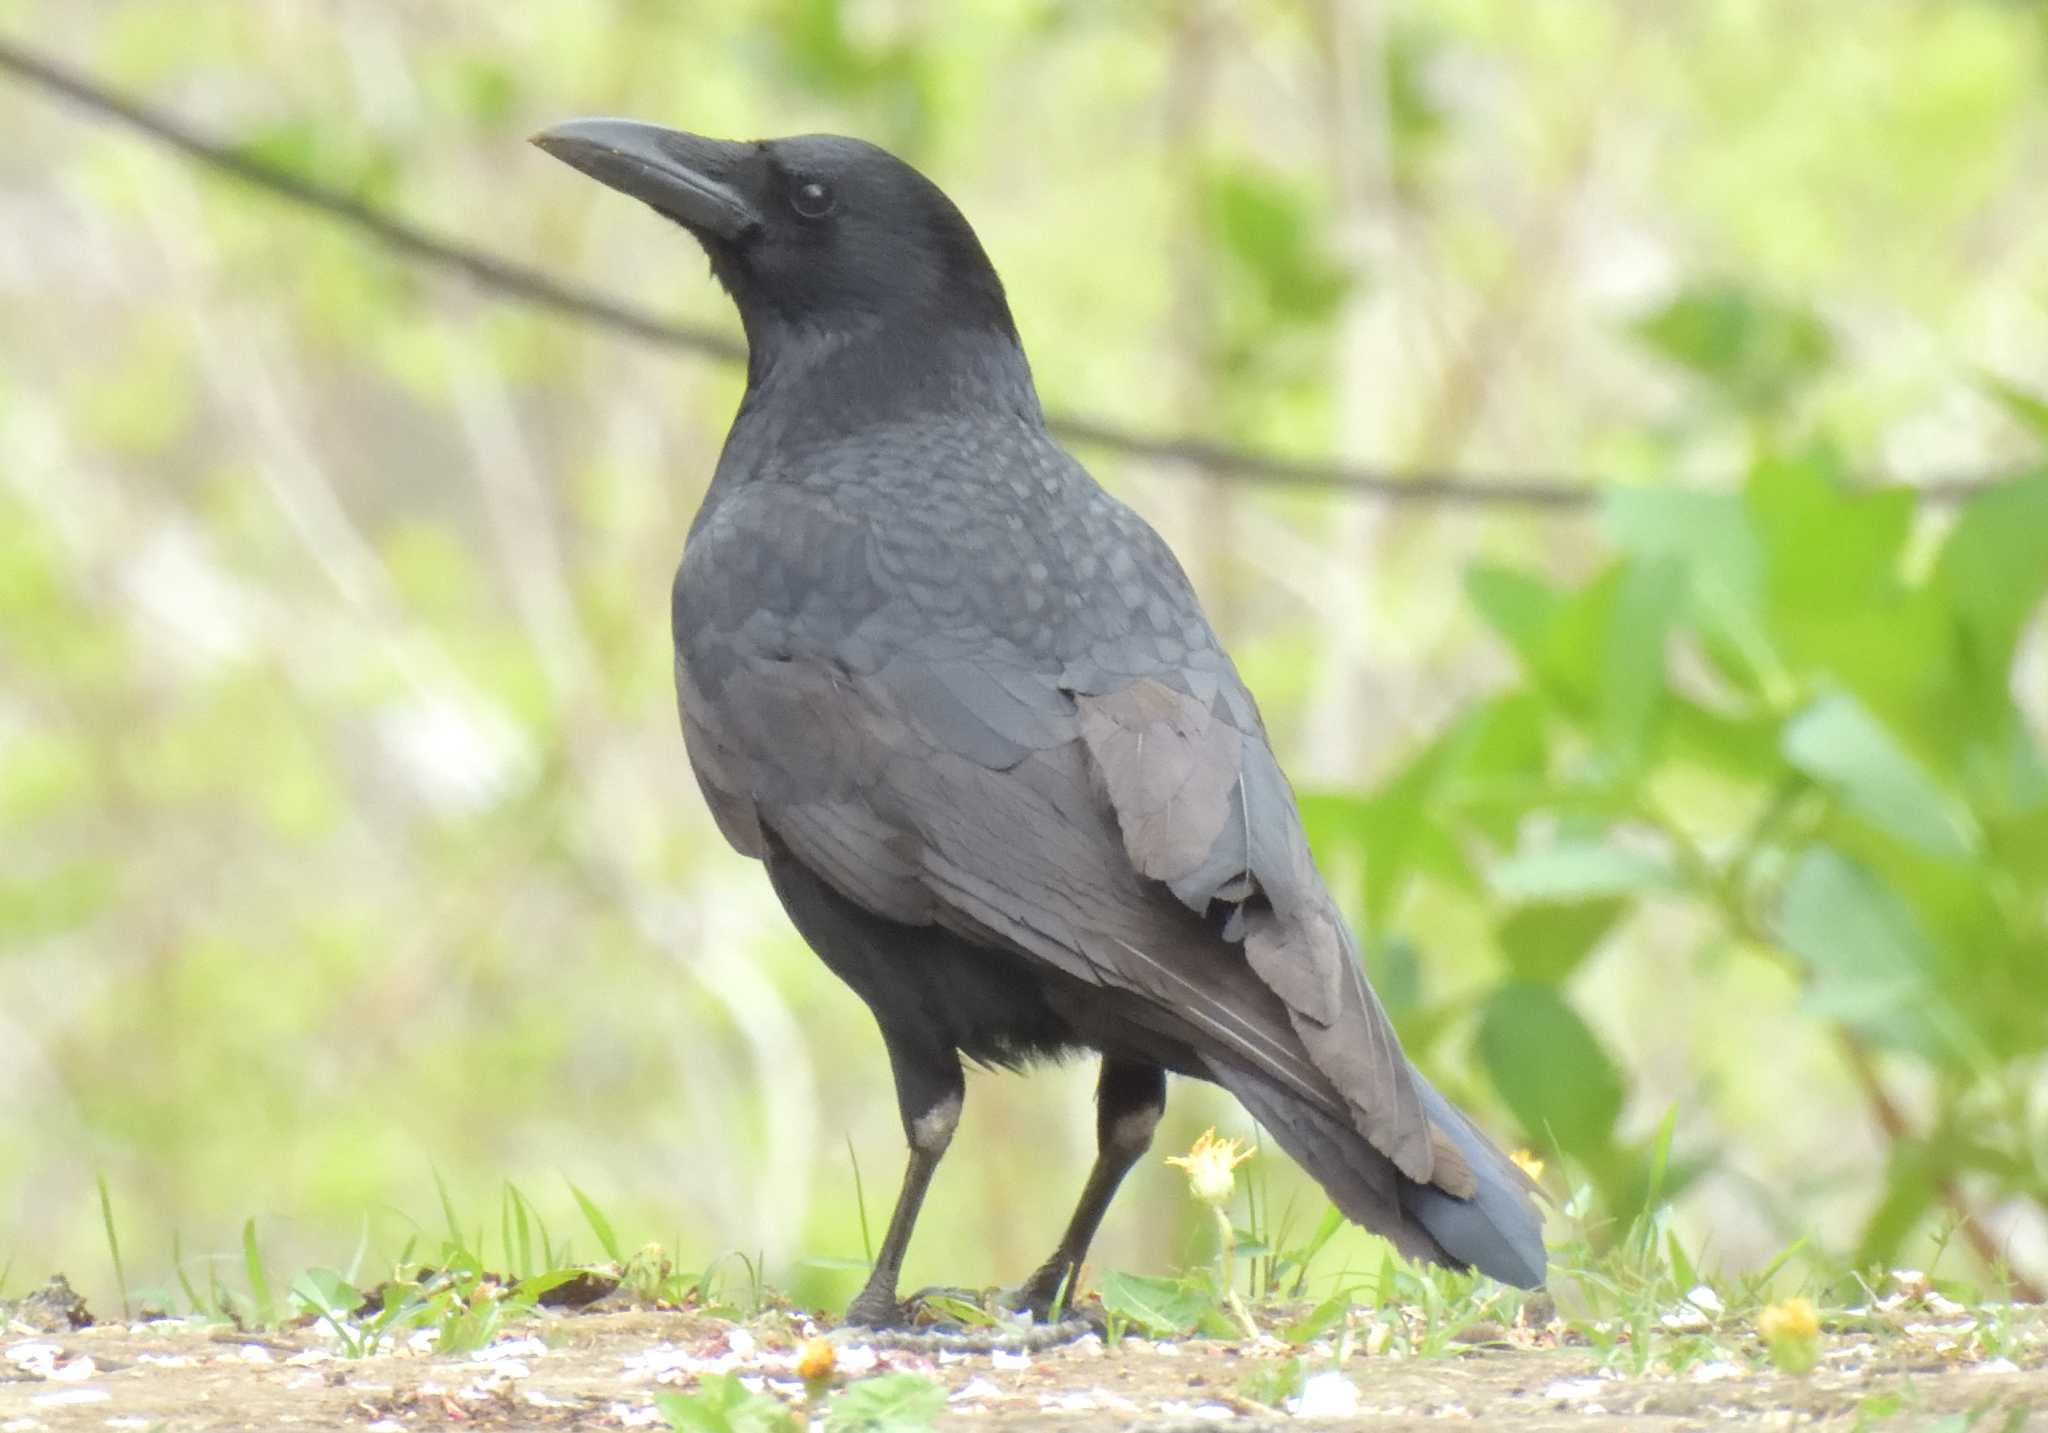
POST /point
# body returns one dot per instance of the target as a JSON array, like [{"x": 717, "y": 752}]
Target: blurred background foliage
[{"x": 349, "y": 837}]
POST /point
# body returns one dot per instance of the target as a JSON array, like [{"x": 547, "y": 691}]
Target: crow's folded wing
[{"x": 1109, "y": 825}]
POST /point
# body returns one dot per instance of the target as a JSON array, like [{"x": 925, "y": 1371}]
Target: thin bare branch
[{"x": 1198, "y": 457}]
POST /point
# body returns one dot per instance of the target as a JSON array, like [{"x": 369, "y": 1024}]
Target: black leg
[
  {"x": 929, "y": 1090},
  {"x": 1129, "y": 1099}
]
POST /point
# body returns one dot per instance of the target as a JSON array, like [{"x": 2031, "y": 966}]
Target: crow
[{"x": 966, "y": 709}]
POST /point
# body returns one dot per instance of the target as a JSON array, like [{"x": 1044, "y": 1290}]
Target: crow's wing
[{"x": 1107, "y": 812}]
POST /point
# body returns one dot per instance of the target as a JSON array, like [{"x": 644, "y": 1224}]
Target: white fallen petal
[
  {"x": 78, "y": 1370},
  {"x": 1714, "y": 1372},
  {"x": 1997, "y": 1365},
  {"x": 511, "y": 1348},
  {"x": 1009, "y": 1359},
  {"x": 741, "y": 1343},
  {"x": 1572, "y": 1390},
  {"x": 36, "y": 1358},
  {"x": 1204, "y": 1412},
  {"x": 70, "y": 1395},
  {"x": 1327, "y": 1395},
  {"x": 975, "y": 1389},
  {"x": 1706, "y": 1301},
  {"x": 858, "y": 1359}
]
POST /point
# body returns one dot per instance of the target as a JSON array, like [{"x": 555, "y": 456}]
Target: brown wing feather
[{"x": 1179, "y": 776}]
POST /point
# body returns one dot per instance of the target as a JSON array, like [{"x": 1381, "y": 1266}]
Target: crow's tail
[{"x": 1497, "y": 1231}]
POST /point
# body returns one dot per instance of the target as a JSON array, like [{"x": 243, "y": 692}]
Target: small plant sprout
[
  {"x": 1791, "y": 1331},
  {"x": 1209, "y": 1165}
]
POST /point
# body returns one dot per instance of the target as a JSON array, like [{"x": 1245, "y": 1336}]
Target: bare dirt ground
[{"x": 602, "y": 1370}]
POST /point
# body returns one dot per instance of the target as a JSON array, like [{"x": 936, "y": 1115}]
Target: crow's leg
[
  {"x": 1129, "y": 1099},
  {"x": 929, "y": 1090}
]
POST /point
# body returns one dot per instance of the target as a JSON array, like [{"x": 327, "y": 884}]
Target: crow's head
[{"x": 815, "y": 233}]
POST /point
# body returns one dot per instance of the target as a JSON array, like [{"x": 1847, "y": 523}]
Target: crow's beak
[{"x": 686, "y": 177}]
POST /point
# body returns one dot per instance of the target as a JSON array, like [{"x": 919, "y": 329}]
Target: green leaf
[
  {"x": 1992, "y": 572},
  {"x": 1827, "y": 548},
  {"x": 723, "y": 1404},
  {"x": 1645, "y": 604},
  {"x": 258, "y": 1271},
  {"x": 1317, "y": 1321},
  {"x": 1868, "y": 964},
  {"x": 2029, "y": 410},
  {"x": 1909, "y": 1193},
  {"x": 1549, "y": 1067},
  {"x": 1575, "y": 870},
  {"x": 1754, "y": 352},
  {"x": 1517, "y": 606},
  {"x": 1266, "y": 228},
  {"x": 1158, "y": 1305},
  {"x": 1545, "y": 943},
  {"x": 1838, "y": 743},
  {"x": 607, "y": 1239},
  {"x": 890, "y": 1403},
  {"x": 324, "y": 1291},
  {"x": 1710, "y": 537}
]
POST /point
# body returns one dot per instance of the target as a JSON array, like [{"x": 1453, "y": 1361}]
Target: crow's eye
[{"x": 812, "y": 200}]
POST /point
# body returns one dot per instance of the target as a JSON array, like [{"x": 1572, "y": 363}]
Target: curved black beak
[{"x": 689, "y": 178}]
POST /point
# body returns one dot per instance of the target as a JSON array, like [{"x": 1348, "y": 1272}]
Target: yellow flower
[
  {"x": 1208, "y": 1166},
  {"x": 816, "y": 1362},
  {"x": 1526, "y": 1161},
  {"x": 1791, "y": 1328}
]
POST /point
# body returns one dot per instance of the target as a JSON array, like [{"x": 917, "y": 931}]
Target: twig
[{"x": 1892, "y": 1120}]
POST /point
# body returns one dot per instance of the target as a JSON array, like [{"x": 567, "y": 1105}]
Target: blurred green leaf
[
  {"x": 1646, "y": 602},
  {"x": 34, "y": 906},
  {"x": 1159, "y": 1306},
  {"x": 323, "y": 1291},
  {"x": 1546, "y": 943},
  {"x": 2029, "y": 410},
  {"x": 1263, "y": 224},
  {"x": 1572, "y": 871},
  {"x": 1838, "y": 743},
  {"x": 1755, "y": 352},
  {"x": 723, "y": 1404},
  {"x": 1992, "y": 572},
  {"x": 350, "y": 158},
  {"x": 1519, "y": 607},
  {"x": 1867, "y": 963},
  {"x": 887, "y": 1403},
  {"x": 1826, "y": 547},
  {"x": 1549, "y": 1067}
]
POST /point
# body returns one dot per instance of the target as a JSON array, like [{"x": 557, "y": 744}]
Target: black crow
[{"x": 964, "y": 706}]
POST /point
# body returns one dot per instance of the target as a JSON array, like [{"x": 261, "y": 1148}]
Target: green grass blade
[
  {"x": 599, "y": 1225},
  {"x": 199, "y": 1305},
  {"x": 259, "y": 1277},
  {"x": 113, "y": 1239},
  {"x": 860, "y": 1204},
  {"x": 448, "y": 1209}
]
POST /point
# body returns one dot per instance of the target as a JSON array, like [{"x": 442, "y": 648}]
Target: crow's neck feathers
[{"x": 807, "y": 381}]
